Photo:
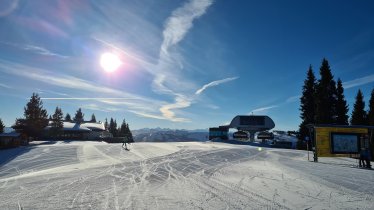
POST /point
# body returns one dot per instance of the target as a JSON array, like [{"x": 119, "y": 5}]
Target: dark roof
[{"x": 13, "y": 134}]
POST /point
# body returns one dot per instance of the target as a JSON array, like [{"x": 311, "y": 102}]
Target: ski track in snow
[{"x": 91, "y": 175}]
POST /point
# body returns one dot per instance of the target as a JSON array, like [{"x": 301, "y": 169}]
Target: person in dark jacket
[{"x": 362, "y": 158}]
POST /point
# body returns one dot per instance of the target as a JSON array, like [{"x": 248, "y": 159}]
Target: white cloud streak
[
  {"x": 262, "y": 109},
  {"x": 168, "y": 80},
  {"x": 293, "y": 99},
  {"x": 358, "y": 81},
  {"x": 133, "y": 102},
  {"x": 5, "y": 86},
  {"x": 214, "y": 83},
  {"x": 85, "y": 99},
  {"x": 35, "y": 49},
  {"x": 176, "y": 28},
  {"x": 181, "y": 21}
]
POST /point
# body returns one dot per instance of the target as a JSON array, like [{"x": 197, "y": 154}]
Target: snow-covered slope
[{"x": 185, "y": 175}]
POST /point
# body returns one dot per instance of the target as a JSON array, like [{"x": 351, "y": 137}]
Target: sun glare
[{"x": 110, "y": 62}]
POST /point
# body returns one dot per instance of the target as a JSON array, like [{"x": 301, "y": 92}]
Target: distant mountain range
[{"x": 169, "y": 135}]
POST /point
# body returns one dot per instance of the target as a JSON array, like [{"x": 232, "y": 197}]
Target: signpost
[{"x": 307, "y": 145}]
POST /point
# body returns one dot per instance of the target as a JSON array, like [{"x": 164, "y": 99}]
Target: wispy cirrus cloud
[
  {"x": 358, "y": 81},
  {"x": 35, "y": 49},
  {"x": 292, "y": 99},
  {"x": 262, "y": 109},
  {"x": 181, "y": 21},
  {"x": 136, "y": 103},
  {"x": 168, "y": 77},
  {"x": 5, "y": 86},
  {"x": 176, "y": 28},
  {"x": 214, "y": 83}
]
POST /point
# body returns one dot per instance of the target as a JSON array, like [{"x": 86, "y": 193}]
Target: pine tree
[
  {"x": 326, "y": 97},
  {"x": 106, "y": 124},
  {"x": 93, "y": 118},
  {"x": 359, "y": 114},
  {"x": 57, "y": 124},
  {"x": 129, "y": 134},
  {"x": 2, "y": 126},
  {"x": 371, "y": 109},
  {"x": 124, "y": 131},
  {"x": 68, "y": 117},
  {"x": 307, "y": 106},
  {"x": 36, "y": 117},
  {"x": 341, "y": 105},
  {"x": 79, "y": 116},
  {"x": 113, "y": 127}
]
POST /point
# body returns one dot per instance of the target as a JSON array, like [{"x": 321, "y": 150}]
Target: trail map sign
[{"x": 337, "y": 141}]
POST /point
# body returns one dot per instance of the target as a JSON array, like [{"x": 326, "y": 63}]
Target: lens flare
[{"x": 110, "y": 62}]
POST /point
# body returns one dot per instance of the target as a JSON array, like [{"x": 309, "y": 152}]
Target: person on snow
[
  {"x": 362, "y": 158},
  {"x": 125, "y": 141}
]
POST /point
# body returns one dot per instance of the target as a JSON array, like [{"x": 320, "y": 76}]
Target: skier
[{"x": 125, "y": 140}]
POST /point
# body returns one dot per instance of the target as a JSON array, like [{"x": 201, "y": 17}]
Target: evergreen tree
[
  {"x": 326, "y": 96},
  {"x": 371, "y": 109},
  {"x": 2, "y": 126},
  {"x": 370, "y": 120},
  {"x": 113, "y": 127},
  {"x": 307, "y": 107},
  {"x": 124, "y": 131},
  {"x": 57, "y": 124},
  {"x": 79, "y": 116},
  {"x": 93, "y": 118},
  {"x": 68, "y": 117},
  {"x": 36, "y": 117},
  {"x": 359, "y": 114},
  {"x": 129, "y": 133},
  {"x": 341, "y": 105},
  {"x": 106, "y": 124}
]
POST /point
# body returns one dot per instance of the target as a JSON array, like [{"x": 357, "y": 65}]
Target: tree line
[
  {"x": 36, "y": 119},
  {"x": 323, "y": 102}
]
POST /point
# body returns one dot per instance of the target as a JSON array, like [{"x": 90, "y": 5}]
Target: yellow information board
[{"x": 323, "y": 141}]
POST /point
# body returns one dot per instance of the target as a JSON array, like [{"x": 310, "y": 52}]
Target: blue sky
[{"x": 185, "y": 64}]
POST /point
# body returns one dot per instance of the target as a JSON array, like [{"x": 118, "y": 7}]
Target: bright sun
[{"x": 110, "y": 62}]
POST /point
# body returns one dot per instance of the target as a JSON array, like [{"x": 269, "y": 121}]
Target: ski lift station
[{"x": 245, "y": 124}]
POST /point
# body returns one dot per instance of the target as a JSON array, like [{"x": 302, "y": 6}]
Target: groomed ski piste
[{"x": 191, "y": 175}]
